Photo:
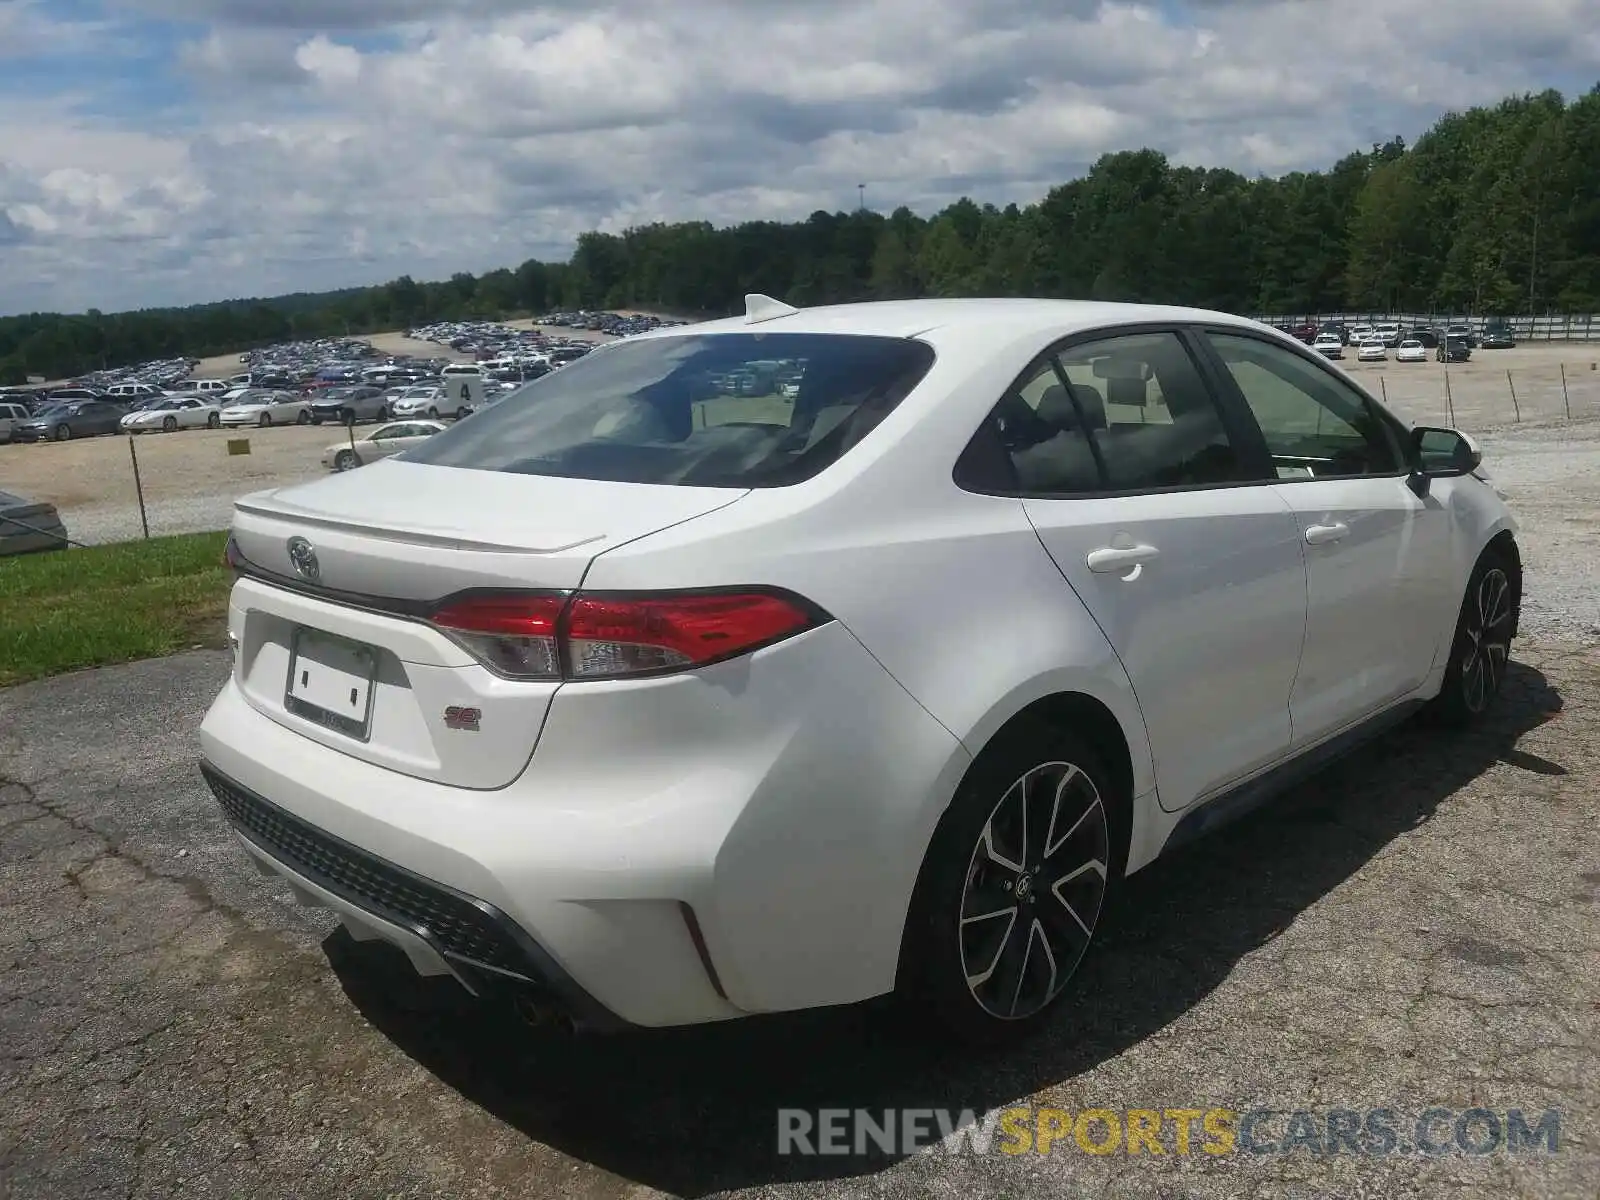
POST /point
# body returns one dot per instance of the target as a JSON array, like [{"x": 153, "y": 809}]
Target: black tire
[
  {"x": 463, "y": 413},
  {"x": 346, "y": 460},
  {"x": 169, "y": 424},
  {"x": 1481, "y": 648},
  {"x": 63, "y": 433},
  {"x": 266, "y": 420},
  {"x": 214, "y": 421},
  {"x": 304, "y": 418},
  {"x": 1030, "y": 774},
  {"x": 433, "y": 413}
]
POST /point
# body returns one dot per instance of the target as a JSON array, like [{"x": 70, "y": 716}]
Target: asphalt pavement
[{"x": 1416, "y": 929}]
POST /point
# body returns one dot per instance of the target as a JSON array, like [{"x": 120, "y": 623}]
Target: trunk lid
[{"x": 339, "y": 650}]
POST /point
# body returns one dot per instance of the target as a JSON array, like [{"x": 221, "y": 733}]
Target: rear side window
[
  {"x": 710, "y": 410},
  {"x": 1120, "y": 414}
]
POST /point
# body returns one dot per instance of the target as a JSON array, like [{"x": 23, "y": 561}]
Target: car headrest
[
  {"x": 1126, "y": 391},
  {"x": 1057, "y": 406}
]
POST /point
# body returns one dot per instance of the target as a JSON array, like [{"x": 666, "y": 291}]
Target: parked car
[
  {"x": 1328, "y": 345},
  {"x": 1464, "y": 334},
  {"x": 383, "y": 442},
  {"x": 11, "y": 413},
  {"x": 133, "y": 393},
  {"x": 1372, "y": 350},
  {"x": 1411, "y": 350},
  {"x": 69, "y": 419},
  {"x": 1453, "y": 350},
  {"x": 654, "y": 709},
  {"x": 1388, "y": 332},
  {"x": 171, "y": 413},
  {"x": 1338, "y": 329},
  {"x": 418, "y": 402},
  {"x": 344, "y": 403},
  {"x": 256, "y": 406},
  {"x": 213, "y": 388},
  {"x": 1496, "y": 336}
]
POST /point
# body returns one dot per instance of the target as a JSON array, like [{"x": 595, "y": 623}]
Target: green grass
[{"x": 69, "y": 609}]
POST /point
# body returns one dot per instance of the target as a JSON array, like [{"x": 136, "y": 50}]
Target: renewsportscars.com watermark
[{"x": 1371, "y": 1132}]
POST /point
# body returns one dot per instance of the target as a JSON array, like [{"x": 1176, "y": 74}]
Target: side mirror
[{"x": 1443, "y": 453}]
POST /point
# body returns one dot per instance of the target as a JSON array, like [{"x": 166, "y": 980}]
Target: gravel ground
[{"x": 1415, "y": 928}]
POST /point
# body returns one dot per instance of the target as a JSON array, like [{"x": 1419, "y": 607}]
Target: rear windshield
[{"x": 710, "y": 410}]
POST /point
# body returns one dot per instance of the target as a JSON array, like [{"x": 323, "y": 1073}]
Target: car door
[
  {"x": 386, "y": 441},
  {"x": 1173, "y": 539},
  {"x": 1377, "y": 554},
  {"x": 417, "y": 434}
]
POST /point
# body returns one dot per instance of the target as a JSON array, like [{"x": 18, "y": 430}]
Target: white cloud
[{"x": 298, "y": 144}]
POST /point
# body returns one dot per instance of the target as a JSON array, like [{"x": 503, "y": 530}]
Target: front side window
[
  {"x": 1119, "y": 414},
  {"x": 709, "y": 410},
  {"x": 1315, "y": 424}
]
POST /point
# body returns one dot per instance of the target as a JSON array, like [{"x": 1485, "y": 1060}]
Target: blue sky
[{"x": 171, "y": 151}]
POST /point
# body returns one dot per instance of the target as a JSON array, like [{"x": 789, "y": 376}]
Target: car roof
[{"x": 911, "y": 318}]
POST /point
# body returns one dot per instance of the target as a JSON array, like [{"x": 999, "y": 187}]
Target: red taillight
[
  {"x": 545, "y": 636},
  {"x": 512, "y": 634},
  {"x": 629, "y": 635}
]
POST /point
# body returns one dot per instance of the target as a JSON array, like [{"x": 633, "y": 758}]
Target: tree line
[{"x": 1495, "y": 210}]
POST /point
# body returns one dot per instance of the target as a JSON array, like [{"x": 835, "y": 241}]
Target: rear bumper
[
  {"x": 442, "y": 931},
  {"x": 681, "y": 850}
]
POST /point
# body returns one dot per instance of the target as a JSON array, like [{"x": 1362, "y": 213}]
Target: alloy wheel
[
  {"x": 1487, "y": 646},
  {"x": 1034, "y": 889}
]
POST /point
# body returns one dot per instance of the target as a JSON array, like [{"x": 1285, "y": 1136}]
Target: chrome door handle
[
  {"x": 1119, "y": 558},
  {"x": 1319, "y": 535}
]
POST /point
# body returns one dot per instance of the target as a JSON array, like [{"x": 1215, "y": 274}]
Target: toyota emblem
[{"x": 303, "y": 557}]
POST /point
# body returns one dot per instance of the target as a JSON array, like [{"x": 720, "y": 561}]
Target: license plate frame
[{"x": 318, "y": 679}]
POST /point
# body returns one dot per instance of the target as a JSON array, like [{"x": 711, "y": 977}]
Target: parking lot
[
  {"x": 190, "y": 480},
  {"x": 1419, "y": 927},
  {"x": 1416, "y": 928}
]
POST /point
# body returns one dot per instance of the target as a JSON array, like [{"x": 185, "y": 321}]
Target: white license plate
[{"x": 331, "y": 682}]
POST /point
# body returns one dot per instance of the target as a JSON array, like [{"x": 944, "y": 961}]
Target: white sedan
[
  {"x": 654, "y": 706},
  {"x": 264, "y": 407},
  {"x": 1411, "y": 350},
  {"x": 382, "y": 442},
  {"x": 418, "y": 402},
  {"x": 1328, "y": 345},
  {"x": 172, "y": 413},
  {"x": 1372, "y": 350}
]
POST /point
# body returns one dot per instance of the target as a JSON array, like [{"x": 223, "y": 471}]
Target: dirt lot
[{"x": 189, "y": 478}]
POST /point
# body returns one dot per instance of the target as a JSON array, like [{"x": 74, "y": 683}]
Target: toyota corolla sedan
[
  {"x": 1374, "y": 349},
  {"x": 1411, "y": 350},
  {"x": 649, "y": 703}
]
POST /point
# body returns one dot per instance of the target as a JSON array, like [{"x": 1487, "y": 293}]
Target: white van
[
  {"x": 463, "y": 387},
  {"x": 132, "y": 393},
  {"x": 212, "y": 388}
]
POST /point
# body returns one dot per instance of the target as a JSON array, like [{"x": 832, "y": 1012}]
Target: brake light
[
  {"x": 512, "y": 634},
  {"x": 610, "y": 636}
]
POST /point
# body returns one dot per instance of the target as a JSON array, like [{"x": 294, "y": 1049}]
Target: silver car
[{"x": 382, "y": 442}]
